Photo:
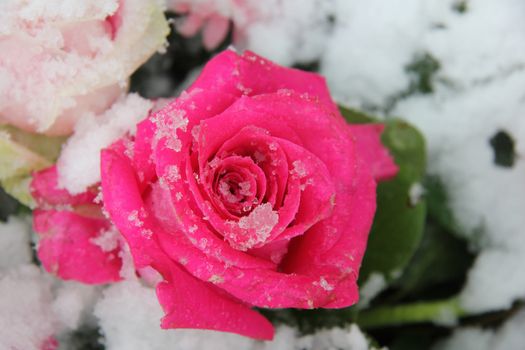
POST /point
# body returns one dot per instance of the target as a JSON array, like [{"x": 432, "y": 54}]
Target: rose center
[
  {"x": 235, "y": 192},
  {"x": 236, "y": 185}
]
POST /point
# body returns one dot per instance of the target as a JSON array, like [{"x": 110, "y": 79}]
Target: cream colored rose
[{"x": 60, "y": 59}]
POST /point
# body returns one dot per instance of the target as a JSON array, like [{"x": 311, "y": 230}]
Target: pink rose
[
  {"x": 249, "y": 190},
  {"x": 76, "y": 241},
  {"x": 59, "y": 62}
]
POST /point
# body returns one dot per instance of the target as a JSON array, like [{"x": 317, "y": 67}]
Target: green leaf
[
  {"x": 446, "y": 255},
  {"x": 354, "y": 116},
  {"x": 22, "y": 153},
  {"x": 437, "y": 202},
  {"x": 399, "y": 223}
]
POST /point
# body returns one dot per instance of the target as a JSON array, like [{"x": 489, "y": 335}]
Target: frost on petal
[{"x": 253, "y": 229}]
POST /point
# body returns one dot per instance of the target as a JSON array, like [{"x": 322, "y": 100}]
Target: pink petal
[
  {"x": 261, "y": 286},
  {"x": 66, "y": 247},
  {"x": 123, "y": 202},
  {"x": 375, "y": 155},
  {"x": 190, "y": 303},
  {"x": 44, "y": 188},
  {"x": 250, "y": 74}
]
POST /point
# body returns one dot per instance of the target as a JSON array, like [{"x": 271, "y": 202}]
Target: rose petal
[
  {"x": 190, "y": 303},
  {"x": 66, "y": 247},
  {"x": 261, "y": 287},
  {"x": 317, "y": 189},
  {"x": 250, "y": 74},
  {"x": 44, "y": 188},
  {"x": 123, "y": 202},
  {"x": 370, "y": 148}
]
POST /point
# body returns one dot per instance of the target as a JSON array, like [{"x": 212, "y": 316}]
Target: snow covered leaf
[
  {"x": 22, "y": 153},
  {"x": 399, "y": 221}
]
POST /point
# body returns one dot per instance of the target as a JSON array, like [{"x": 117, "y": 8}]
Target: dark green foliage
[{"x": 503, "y": 145}]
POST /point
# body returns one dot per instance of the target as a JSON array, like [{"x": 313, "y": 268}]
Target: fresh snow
[
  {"x": 15, "y": 248},
  {"x": 129, "y": 316},
  {"x": 79, "y": 163}
]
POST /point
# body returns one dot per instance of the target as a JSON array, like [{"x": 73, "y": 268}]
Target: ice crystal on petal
[
  {"x": 172, "y": 173},
  {"x": 107, "y": 240},
  {"x": 325, "y": 285},
  {"x": 299, "y": 169},
  {"x": 257, "y": 227}
]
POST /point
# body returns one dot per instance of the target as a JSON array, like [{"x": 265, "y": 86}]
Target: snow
[
  {"x": 508, "y": 336},
  {"x": 371, "y": 44},
  {"x": 415, "y": 193},
  {"x": 460, "y": 154},
  {"x": 107, "y": 240},
  {"x": 14, "y": 13},
  {"x": 26, "y": 317},
  {"x": 130, "y": 315},
  {"x": 371, "y": 288},
  {"x": 78, "y": 166},
  {"x": 73, "y": 304},
  {"x": 15, "y": 244}
]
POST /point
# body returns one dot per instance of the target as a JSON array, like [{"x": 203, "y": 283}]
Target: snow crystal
[
  {"x": 172, "y": 173},
  {"x": 216, "y": 279},
  {"x": 261, "y": 220},
  {"x": 79, "y": 163},
  {"x": 107, "y": 240},
  {"x": 415, "y": 193},
  {"x": 299, "y": 169},
  {"x": 325, "y": 285},
  {"x": 127, "y": 271},
  {"x": 133, "y": 217},
  {"x": 15, "y": 244},
  {"x": 245, "y": 188},
  {"x": 167, "y": 123}
]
